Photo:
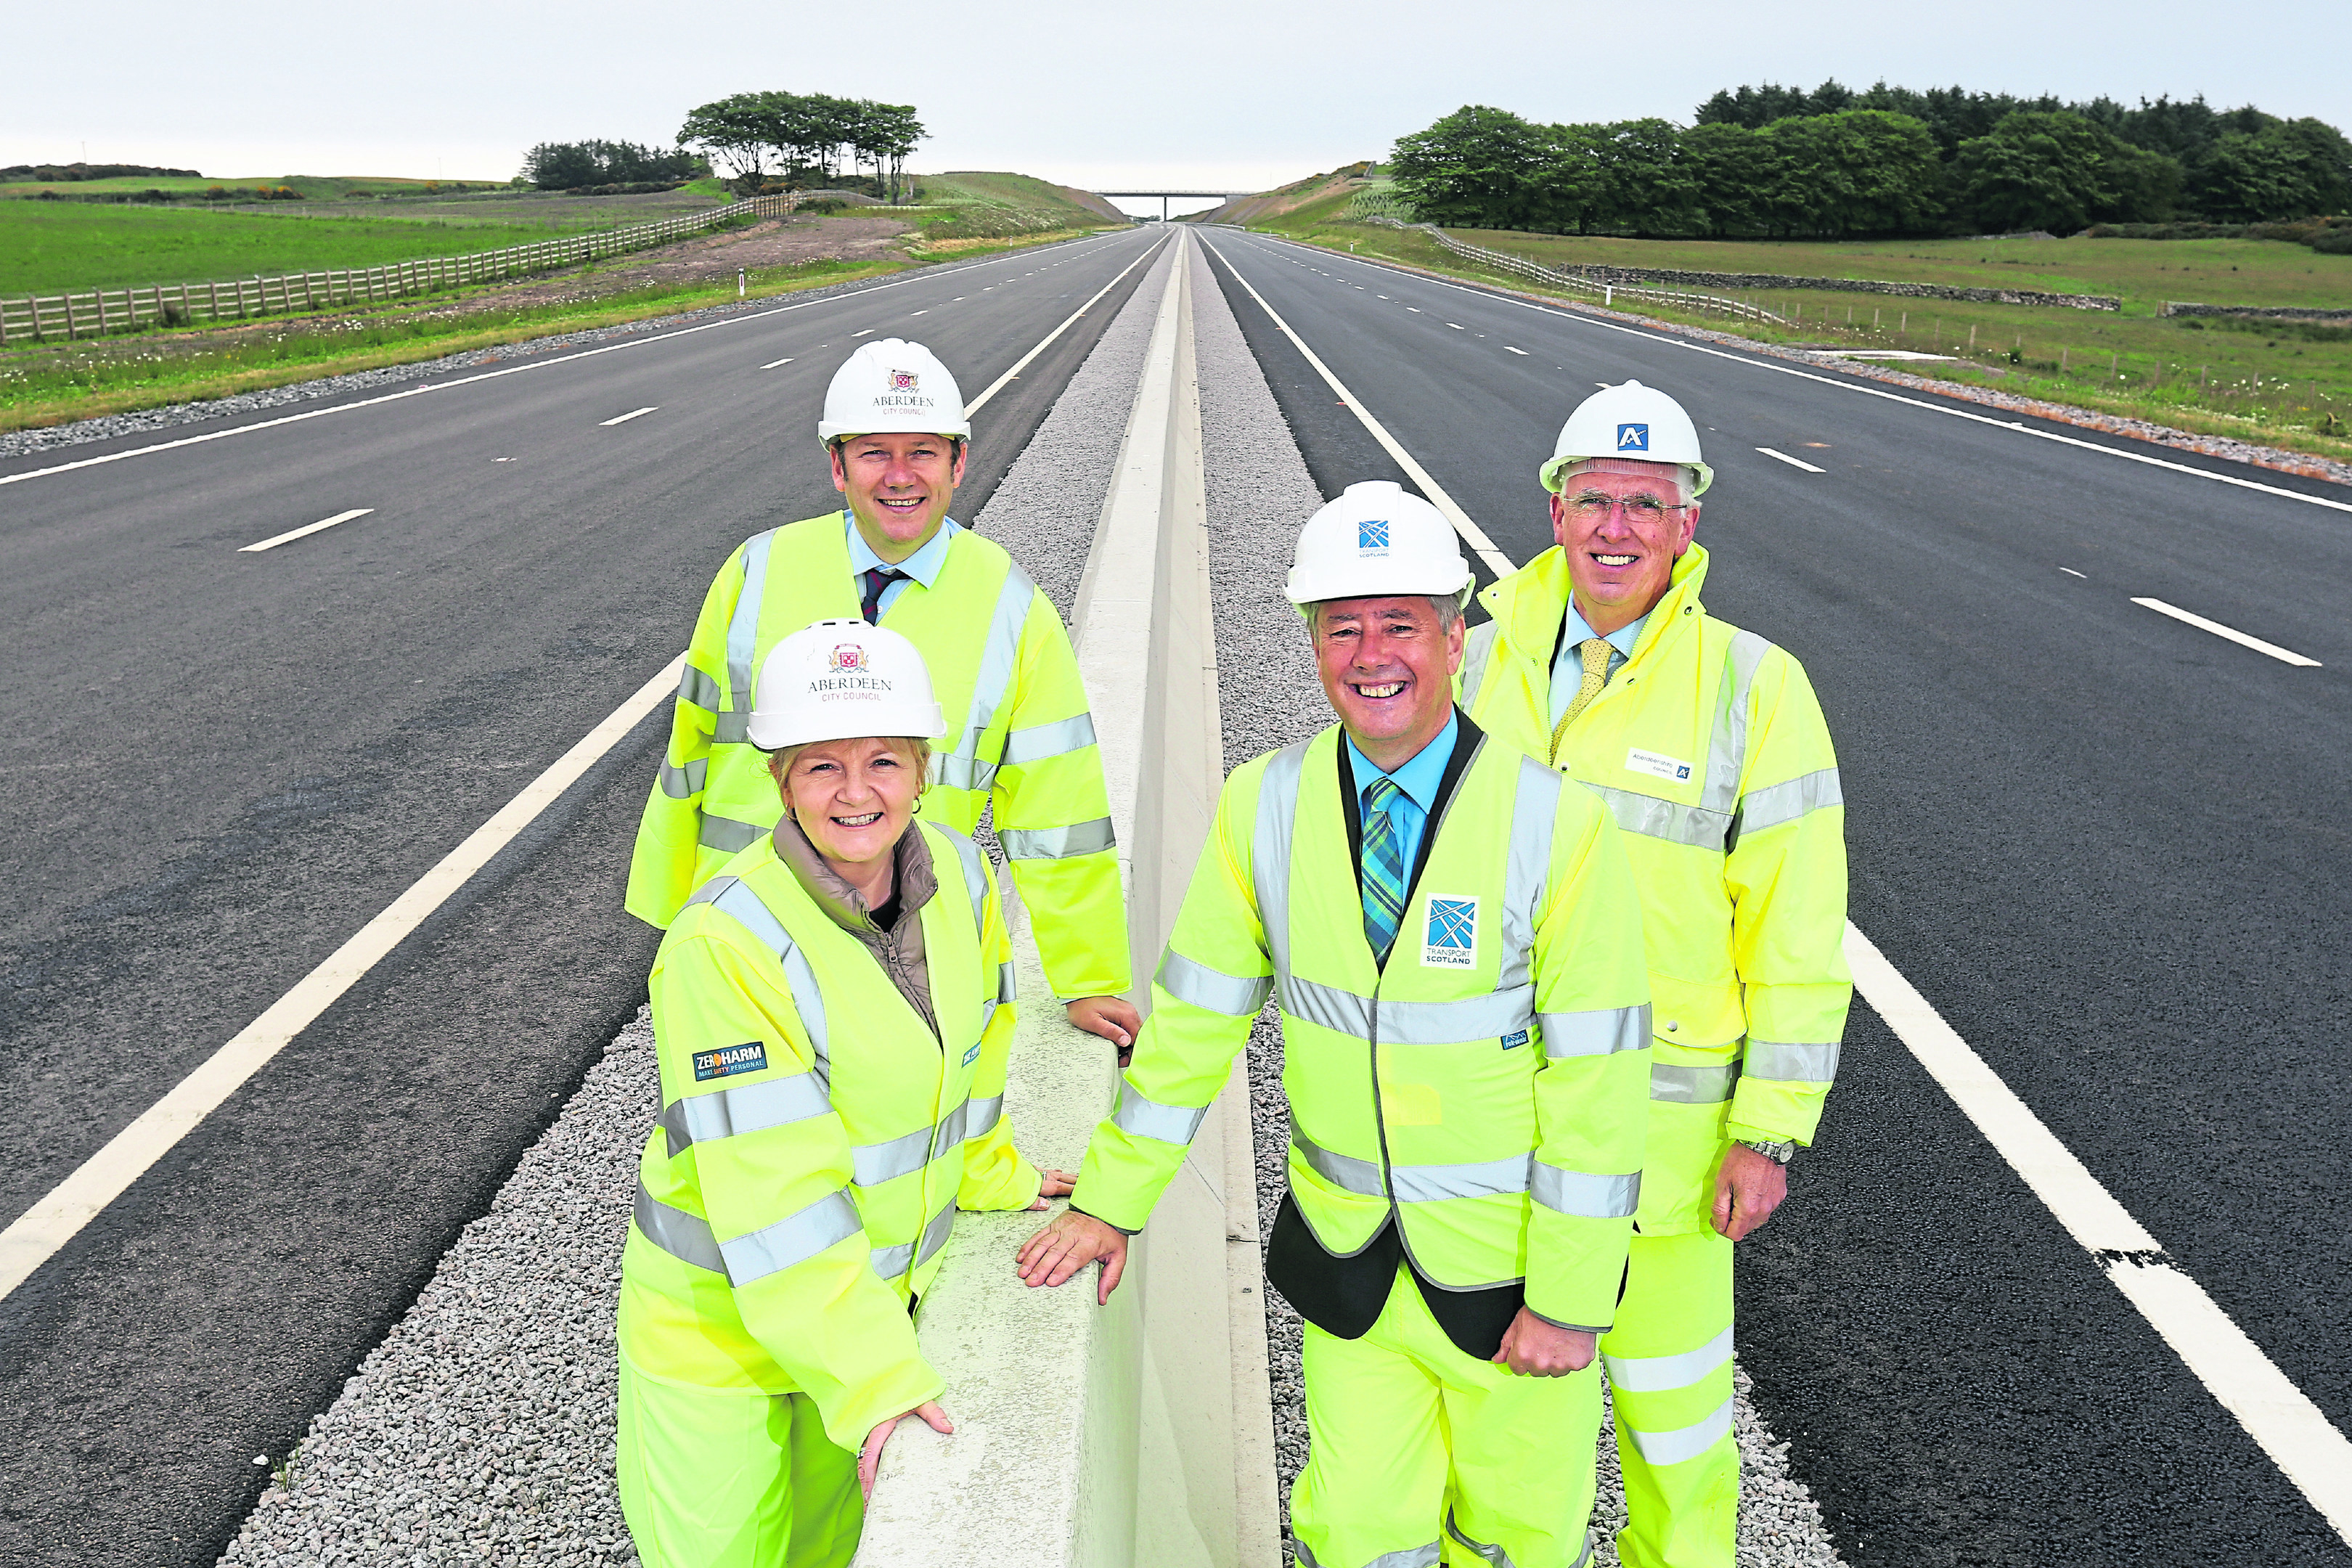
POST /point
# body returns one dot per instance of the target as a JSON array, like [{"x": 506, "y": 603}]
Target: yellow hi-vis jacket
[
  {"x": 815, "y": 1138},
  {"x": 1020, "y": 733},
  {"x": 1485, "y": 1091},
  {"x": 1709, "y": 749}
]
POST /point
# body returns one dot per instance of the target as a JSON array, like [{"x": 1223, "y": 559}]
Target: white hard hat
[
  {"x": 1631, "y": 421},
  {"x": 1375, "y": 542},
  {"x": 839, "y": 680},
  {"x": 892, "y": 386}
]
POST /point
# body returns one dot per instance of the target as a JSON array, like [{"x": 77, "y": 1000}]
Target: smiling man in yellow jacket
[{"x": 1708, "y": 747}]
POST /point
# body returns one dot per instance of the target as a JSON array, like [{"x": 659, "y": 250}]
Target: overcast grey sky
[{"x": 1227, "y": 94}]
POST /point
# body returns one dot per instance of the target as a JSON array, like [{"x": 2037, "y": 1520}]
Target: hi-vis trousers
[
  {"x": 714, "y": 1478},
  {"x": 1669, "y": 1364},
  {"x": 1419, "y": 1451}
]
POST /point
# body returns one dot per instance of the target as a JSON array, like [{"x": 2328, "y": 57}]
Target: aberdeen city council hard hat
[
  {"x": 890, "y": 386},
  {"x": 839, "y": 680}
]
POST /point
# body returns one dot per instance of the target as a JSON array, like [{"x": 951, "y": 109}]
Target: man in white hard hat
[
  {"x": 1708, "y": 747},
  {"x": 1455, "y": 944},
  {"x": 1020, "y": 736}
]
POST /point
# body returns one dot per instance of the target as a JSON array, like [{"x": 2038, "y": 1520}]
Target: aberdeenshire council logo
[
  {"x": 902, "y": 381},
  {"x": 848, "y": 656},
  {"x": 1373, "y": 536},
  {"x": 1632, "y": 437}
]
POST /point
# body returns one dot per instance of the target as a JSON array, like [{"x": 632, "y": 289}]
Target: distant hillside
[
  {"x": 1289, "y": 198},
  {"x": 1024, "y": 193}
]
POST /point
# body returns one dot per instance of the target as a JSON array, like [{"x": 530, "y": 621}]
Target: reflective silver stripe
[
  {"x": 1408, "y": 1023},
  {"x": 796, "y": 1238},
  {"x": 981, "y": 1119},
  {"x": 727, "y": 835},
  {"x": 1492, "y": 1553},
  {"x": 1726, "y": 750},
  {"x": 752, "y": 1108},
  {"x": 1534, "y": 807},
  {"x": 1141, "y": 1118},
  {"x": 1004, "y": 983},
  {"x": 1693, "y": 1085},
  {"x": 1653, "y": 818},
  {"x": 739, "y": 903},
  {"x": 1277, "y": 810},
  {"x": 1403, "y": 1557},
  {"x": 879, "y": 1162},
  {"x": 1664, "y": 1374},
  {"x": 1055, "y": 843},
  {"x": 1038, "y": 742},
  {"x": 999, "y": 652},
  {"x": 1342, "y": 1170},
  {"x": 1584, "y": 1194},
  {"x": 698, "y": 689},
  {"x": 680, "y": 783},
  {"x": 683, "y": 1236},
  {"x": 743, "y": 636},
  {"x": 1786, "y": 1063},
  {"x": 892, "y": 1261},
  {"x": 1782, "y": 803},
  {"x": 1189, "y": 980},
  {"x": 1598, "y": 1033},
  {"x": 731, "y": 729},
  {"x": 1484, "y": 1178},
  {"x": 1477, "y": 653},
  {"x": 976, "y": 880},
  {"x": 1684, "y": 1442}
]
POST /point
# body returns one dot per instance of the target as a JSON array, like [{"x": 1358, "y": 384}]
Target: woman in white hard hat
[{"x": 833, "y": 1011}]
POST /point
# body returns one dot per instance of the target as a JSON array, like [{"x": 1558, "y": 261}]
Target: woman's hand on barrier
[
  {"x": 1054, "y": 1184},
  {"x": 869, "y": 1458},
  {"x": 1113, "y": 1017},
  {"x": 1068, "y": 1245}
]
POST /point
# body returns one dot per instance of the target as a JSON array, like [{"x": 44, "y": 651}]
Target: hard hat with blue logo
[
  {"x": 1631, "y": 421},
  {"x": 1375, "y": 542}
]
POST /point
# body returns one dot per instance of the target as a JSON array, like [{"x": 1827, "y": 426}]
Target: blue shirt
[
  {"x": 924, "y": 566},
  {"x": 1568, "y": 664},
  {"x": 1418, "y": 780}
]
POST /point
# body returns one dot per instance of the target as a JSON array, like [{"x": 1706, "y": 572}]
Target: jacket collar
[
  {"x": 1529, "y": 605},
  {"x": 916, "y": 882}
]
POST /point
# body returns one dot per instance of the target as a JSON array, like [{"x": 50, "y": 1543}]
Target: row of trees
[
  {"x": 574, "y": 165},
  {"x": 811, "y": 137},
  {"x": 1781, "y": 161}
]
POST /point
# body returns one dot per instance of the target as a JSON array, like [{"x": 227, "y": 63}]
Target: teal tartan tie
[{"x": 1383, "y": 869}]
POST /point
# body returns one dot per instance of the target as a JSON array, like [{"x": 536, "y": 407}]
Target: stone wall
[{"x": 2254, "y": 313}]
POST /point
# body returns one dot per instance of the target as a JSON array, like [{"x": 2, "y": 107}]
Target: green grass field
[
  {"x": 313, "y": 186},
  {"x": 2288, "y": 384}
]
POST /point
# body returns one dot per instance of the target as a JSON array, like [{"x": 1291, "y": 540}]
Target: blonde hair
[{"x": 917, "y": 751}]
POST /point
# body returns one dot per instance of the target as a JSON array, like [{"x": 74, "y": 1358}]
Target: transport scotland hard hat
[
  {"x": 890, "y": 386},
  {"x": 1375, "y": 542},
  {"x": 1631, "y": 421},
  {"x": 839, "y": 680}
]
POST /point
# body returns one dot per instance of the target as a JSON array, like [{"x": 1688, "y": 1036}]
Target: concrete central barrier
[{"x": 1138, "y": 1435}]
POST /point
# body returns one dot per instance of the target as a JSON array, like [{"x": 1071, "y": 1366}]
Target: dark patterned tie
[
  {"x": 1384, "y": 869},
  {"x": 873, "y": 585}
]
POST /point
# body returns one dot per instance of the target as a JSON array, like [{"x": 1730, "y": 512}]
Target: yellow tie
[{"x": 1595, "y": 653}]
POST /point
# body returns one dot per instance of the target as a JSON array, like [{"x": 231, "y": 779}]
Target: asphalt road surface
[
  {"x": 2109, "y": 847},
  {"x": 220, "y": 764}
]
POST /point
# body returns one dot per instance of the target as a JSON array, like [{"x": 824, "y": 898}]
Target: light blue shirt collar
[
  {"x": 1580, "y": 631},
  {"x": 1418, "y": 777},
  {"x": 924, "y": 566}
]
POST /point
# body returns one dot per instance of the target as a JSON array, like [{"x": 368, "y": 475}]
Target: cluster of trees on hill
[
  {"x": 62, "y": 173},
  {"x": 812, "y": 136},
  {"x": 576, "y": 165},
  {"x": 1781, "y": 162}
]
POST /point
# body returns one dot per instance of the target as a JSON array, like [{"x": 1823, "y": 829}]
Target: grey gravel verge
[
  {"x": 50, "y": 437},
  {"x": 481, "y": 1428},
  {"x": 1259, "y": 492}
]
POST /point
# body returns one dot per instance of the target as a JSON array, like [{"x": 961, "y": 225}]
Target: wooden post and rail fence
[
  {"x": 1568, "y": 282},
  {"x": 90, "y": 314}
]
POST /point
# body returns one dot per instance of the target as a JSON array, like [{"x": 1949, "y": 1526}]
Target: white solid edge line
[
  {"x": 1496, "y": 562},
  {"x": 1792, "y": 462},
  {"x": 2289, "y": 1428},
  {"x": 2284, "y": 656},
  {"x": 1757, "y": 363},
  {"x": 859, "y": 293},
  {"x": 273, "y": 544},
  {"x": 1021, "y": 364},
  {"x": 632, "y": 414},
  {"x": 36, "y": 1235}
]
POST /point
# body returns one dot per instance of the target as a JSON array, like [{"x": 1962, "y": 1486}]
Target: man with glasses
[{"x": 1708, "y": 745}]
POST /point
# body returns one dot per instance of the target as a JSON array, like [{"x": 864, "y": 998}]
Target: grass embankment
[
  {"x": 54, "y": 384},
  {"x": 2280, "y": 384},
  {"x": 48, "y": 248}
]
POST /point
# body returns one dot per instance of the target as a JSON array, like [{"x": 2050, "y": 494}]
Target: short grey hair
[
  {"x": 1448, "y": 607},
  {"x": 1686, "y": 477}
]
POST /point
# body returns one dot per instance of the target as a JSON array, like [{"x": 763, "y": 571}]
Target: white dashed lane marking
[
  {"x": 632, "y": 414},
  {"x": 775, "y": 362},
  {"x": 2284, "y": 655},
  {"x": 273, "y": 544},
  {"x": 1509, "y": 350},
  {"x": 1792, "y": 462}
]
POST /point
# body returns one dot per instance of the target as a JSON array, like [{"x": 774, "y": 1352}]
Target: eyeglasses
[{"x": 1592, "y": 507}]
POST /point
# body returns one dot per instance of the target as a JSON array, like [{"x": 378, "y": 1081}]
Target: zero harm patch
[
  {"x": 728, "y": 1060},
  {"x": 1451, "y": 941}
]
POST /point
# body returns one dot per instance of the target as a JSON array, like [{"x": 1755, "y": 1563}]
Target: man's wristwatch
[{"x": 1779, "y": 1153}]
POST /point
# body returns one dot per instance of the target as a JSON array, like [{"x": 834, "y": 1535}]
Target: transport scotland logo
[
  {"x": 1372, "y": 536},
  {"x": 1452, "y": 940},
  {"x": 1632, "y": 437}
]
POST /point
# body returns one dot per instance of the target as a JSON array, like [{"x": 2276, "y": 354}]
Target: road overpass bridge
[{"x": 1166, "y": 197}]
